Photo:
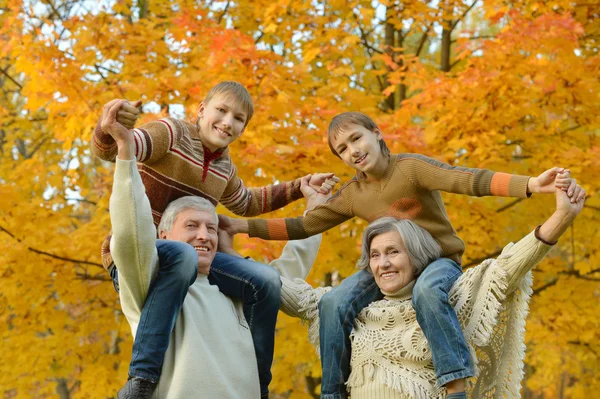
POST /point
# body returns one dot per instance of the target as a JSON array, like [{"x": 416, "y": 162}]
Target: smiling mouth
[
  {"x": 359, "y": 160},
  {"x": 388, "y": 274},
  {"x": 222, "y": 132},
  {"x": 201, "y": 248}
]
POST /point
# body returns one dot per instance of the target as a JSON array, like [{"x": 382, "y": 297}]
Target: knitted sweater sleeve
[
  {"x": 247, "y": 202},
  {"x": 297, "y": 258},
  {"x": 431, "y": 174},
  {"x": 324, "y": 217},
  {"x": 152, "y": 140},
  {"x": 133, "y": 244},
  {"x": 482, "y": 292}
]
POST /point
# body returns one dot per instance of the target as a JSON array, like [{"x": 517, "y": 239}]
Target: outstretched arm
[
  {"x": 525, "y": 254},
  {"x": 133, "y": 241},
  {"x": 255, "y": 201}
]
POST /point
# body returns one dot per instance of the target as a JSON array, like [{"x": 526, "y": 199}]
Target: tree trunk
[
  {"x": 446, "y": 44},
  {"x": 389, "y": 42}
]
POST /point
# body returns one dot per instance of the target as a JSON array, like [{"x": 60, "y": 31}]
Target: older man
[{"x": 211, "y": 353}]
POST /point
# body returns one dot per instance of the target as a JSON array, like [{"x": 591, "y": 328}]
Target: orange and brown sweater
[
  {"x": 410, "y": 189},
  {"x": 174, "y": 163}
]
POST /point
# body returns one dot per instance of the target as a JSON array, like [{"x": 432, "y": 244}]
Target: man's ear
[{"x": 162, "y": 235}]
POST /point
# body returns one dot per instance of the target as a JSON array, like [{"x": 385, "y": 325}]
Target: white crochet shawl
[{"x": 389, "y": 346}]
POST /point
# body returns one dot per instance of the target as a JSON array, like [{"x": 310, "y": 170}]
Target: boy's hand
[
  {"x": 322, "y": 182},
  {"x": 129, "y": 113},
  {"x": 313, "y": 196},
  {"x": 548, "y": 180}
]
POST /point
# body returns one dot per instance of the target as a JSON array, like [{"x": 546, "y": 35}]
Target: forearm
[
  {"x": 134, "y": 236},
  {"x": 555, "y": 226},
  {"x": 297, "y": 257}
]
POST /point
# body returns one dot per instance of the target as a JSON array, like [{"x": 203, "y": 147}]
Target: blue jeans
[
  {"x": 339, "y": 307},
  {"x": 257, "y": 285}
]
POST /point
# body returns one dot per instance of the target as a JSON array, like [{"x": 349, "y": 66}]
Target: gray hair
[
  {"x": 176, "y": 207},
  {"x": 421, "y": 246}
]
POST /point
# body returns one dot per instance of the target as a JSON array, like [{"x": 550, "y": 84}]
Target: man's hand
[
  {"x": 122, "y": 135},
  {"x": 233, "y": 226},
  {"x": 322, "y": 182},
  {"x": 551, "y": 178},
  {"x": 226, "y": 243}
]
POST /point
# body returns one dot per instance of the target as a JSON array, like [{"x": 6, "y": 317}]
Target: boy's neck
[{"x": 380, "y": 168}]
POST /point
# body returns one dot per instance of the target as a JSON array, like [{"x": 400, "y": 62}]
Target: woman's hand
[{"x": 563, "y": 216}]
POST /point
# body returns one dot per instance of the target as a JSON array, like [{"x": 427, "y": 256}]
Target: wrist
[
  {"x": 126, "y": 149},
  {"x": 532, "y": 186},
  {"x": 240, "y": 226}
]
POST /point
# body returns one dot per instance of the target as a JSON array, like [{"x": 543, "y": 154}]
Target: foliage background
[{"x": 506, "y": 85}]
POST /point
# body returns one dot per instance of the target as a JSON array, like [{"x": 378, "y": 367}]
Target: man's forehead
[{"x": 191, "y": 214}]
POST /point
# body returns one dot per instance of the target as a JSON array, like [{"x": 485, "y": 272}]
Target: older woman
[{"x": 390, "y": 355}]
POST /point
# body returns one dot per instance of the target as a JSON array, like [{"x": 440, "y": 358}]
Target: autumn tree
[{"x": 510, "y": 86}]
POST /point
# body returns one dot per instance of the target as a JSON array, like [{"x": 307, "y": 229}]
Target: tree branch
[
  {"x": 509, "y": 205},
  {"x": 10, "y": 77},
  {"x": 40, "y": 252},
  {"x": 464, "y": 14}
]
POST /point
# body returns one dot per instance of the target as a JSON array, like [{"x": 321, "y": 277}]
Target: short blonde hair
[
  {"x": 236, "y": 91},
  {"x": 343, "y": 121}
]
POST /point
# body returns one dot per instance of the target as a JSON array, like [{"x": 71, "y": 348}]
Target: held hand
[
  {"x": 129, "y": 113},
  {"x": 323, "y": 182},
  {"x": 232, "y": 226},
  {"x": 548, "y": 180},
  {"x": 122, "y": 135},
  {"x": 225, "y": 241},
  {"x": 570, "y": 207},
  {"x": 313, "y": 197}
]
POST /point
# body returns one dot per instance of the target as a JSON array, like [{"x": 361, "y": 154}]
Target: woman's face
[{"x": 390, "y": 263}]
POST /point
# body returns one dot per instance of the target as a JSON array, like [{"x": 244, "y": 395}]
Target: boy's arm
[
  {"x": 151, "y": 141},
  {"x": 431, "y": 174},
  {"x": 335, "y": 211},
  {"x": 249, "y": 202}
]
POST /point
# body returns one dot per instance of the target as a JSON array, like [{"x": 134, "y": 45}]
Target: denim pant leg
[
  {"x": 337, "y": 310},
  {"x": 259, "y": 288},
  {"x": 177, "y": 271},
  {"x": 438, "y": 320}
]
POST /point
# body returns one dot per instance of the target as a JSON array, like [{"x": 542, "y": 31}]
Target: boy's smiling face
[
  {"x": 221, "y": 121},
  {"x": 359, "y": 148}
]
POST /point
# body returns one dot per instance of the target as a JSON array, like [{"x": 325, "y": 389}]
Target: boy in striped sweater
[
  {"x": 404, "y": 186},
  {"x": 175, "y": 159}
]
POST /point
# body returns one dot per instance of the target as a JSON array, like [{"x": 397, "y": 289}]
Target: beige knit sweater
[{"x": 391, "y": 358}]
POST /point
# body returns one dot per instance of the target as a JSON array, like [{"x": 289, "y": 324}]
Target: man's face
[
  {"x": 199, "y": 229},
  {"x": 222, "y": 120}
]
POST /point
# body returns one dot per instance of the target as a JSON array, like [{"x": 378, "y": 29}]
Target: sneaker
[{"x": 137, "y": 388}]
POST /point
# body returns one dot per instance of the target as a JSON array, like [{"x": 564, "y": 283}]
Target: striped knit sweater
[
  {"x": 174, "y": 163},
  {"x": 410, "y": 189}
]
